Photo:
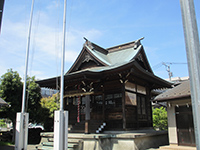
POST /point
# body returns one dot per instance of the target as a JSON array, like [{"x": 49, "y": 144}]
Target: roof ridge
[
  {"x": 93, "y": 46},
  {"x": 124, "y": 46}
]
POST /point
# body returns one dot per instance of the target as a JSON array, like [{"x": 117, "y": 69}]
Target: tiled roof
[
  {"x": 114, "y": 56},
  {"x": 129, "y": 57},
  {"x": 118, "y": 57},
  {"x": 178, "y": 92}
]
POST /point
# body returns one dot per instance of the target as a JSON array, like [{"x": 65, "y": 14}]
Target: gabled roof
[
  {"x": 95, "y": 62},
  {"x": 110, "y": 57},
  {"x": 179, "y": 92}
]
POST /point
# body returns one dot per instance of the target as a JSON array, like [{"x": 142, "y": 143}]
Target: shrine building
[{"x": 110, "y": 88}]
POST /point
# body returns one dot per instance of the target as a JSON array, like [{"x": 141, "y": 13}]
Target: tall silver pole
[
  {"x": 61, "y": 116},
  {"x": 26, "y": 63},
  {"x": 193, "y": 57},
  {"x": 21, "y": 134},
  {"x": 63, "y": 59}
]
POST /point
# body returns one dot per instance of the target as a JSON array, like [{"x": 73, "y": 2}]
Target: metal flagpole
[
  {"x": 63, "y": 59},
  {"x": 61, "y": 116},
  {"x": 26, "y": 63},
  {"x": 193, "y": 57},
  {"x": 21, "y": 135}
]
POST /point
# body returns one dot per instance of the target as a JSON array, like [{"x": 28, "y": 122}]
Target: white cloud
[
  {"x": 50, "y": 42},
  {"x": 46, "y": 41}
]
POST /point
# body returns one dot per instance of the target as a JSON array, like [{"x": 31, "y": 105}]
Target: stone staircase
[
  {"x": 46, "y": 143},
  {"x": 74, "y": 142}
]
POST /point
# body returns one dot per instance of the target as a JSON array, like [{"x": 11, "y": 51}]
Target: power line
[
  {"x": 171, "y": 63},
  {"x": 167, "y": 65}
]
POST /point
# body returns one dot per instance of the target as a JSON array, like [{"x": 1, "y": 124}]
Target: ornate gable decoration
[
  {"x": 86, "y": 59},
  {"x": 141, "y": 59}
]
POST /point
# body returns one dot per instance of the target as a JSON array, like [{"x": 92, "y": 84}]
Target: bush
[{"x": 160, "y": 118}]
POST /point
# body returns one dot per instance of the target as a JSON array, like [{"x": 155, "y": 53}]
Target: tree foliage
[
  {"x": 11, "y": 88},
  {"x": 160, "y": 118},
  {"x": 11, "y": 92},
  {"x": 33, "y": 106},
  {"x": 49, "y": 105}
]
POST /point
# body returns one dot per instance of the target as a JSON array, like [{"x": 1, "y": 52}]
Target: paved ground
[{"x": 30, "y": 147}]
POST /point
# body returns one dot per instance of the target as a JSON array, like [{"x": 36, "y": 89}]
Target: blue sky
[{"x": 106, "y": 23}]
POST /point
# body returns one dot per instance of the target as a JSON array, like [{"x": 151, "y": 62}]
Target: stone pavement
[{"x": 12, "y": 147}]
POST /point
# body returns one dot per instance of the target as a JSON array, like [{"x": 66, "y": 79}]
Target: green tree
[
  {"x": 11, "y": 92},
  {"x": 160, "y": 118},
  {"x": 11, "y": 88},
  {"x": 33, "y": 106},
  {"x": 49, "y": 105}
]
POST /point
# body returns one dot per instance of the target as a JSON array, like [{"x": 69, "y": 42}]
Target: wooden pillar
[
  {"x": 87, "y": 113},
  {"x": 137, "y": 117},
  {"x": 150, "y": 107},
  {"x": 103, "y": 107},
  {"x": 123, "y": 106},
  {"x": 86, "y": 126}
]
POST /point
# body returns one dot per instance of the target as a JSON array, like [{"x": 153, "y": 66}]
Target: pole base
[
  {"x": 21, "y": 134},
  {"x": 60, "y": 130}
]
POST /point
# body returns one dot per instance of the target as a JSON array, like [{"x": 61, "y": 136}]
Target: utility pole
[
  {"x": 168, "y": 70},
  {"x": 193, "y": 58}
]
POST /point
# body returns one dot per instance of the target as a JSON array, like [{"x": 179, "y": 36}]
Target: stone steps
[{"x": 47, "y": 142}]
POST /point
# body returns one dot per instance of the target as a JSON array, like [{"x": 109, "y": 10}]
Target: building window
[
  {"x": 98, "y": 99},
  {"x": 130, "y": 86},
  {"x": 113, "y": 100},
  {"x": 141, "y": 89},
  {"x": 97, "y": 103},
  {"x": 141, "y": 107},
  {"x": 130, "y": 99}
]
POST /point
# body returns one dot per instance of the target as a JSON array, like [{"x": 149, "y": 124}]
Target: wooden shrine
[{"x": 111, "y": 86}]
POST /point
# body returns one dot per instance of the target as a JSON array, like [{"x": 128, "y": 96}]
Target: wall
[
  {"x": 172, "y": 129},
  {"x": 127, "y": 142}
]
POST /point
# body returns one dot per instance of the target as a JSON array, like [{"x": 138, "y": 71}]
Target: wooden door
[{"x": 185, "y": 126}]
